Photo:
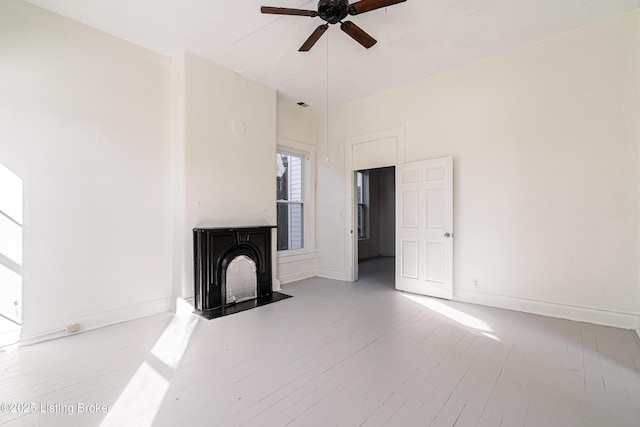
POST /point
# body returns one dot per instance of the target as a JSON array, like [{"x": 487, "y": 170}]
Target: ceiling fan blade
[
  {"x": 363, "y": 6},
  {"x": 288, "y": 11},
  {"x": 358, "y": 34},
  {"x": 313, "y": 38}
]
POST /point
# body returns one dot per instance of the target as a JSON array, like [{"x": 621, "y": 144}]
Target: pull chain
[{"x": 327, "y": 95}]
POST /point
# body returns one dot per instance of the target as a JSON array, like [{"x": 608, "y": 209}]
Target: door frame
[{"x": 369, "y": 151}]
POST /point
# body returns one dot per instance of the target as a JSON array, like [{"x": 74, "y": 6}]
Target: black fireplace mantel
[{"x": 214, "y": 248}]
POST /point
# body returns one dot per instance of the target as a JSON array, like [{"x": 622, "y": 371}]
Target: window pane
[
  {"x": 290, "y": 226},
  {"x": 360, "y": 188},
  {"x": 288, "y": 177},
  {"x": 282, "y": 177},
  {"x": 295, "y": 226},
  {"x": 361, "y": 229}
]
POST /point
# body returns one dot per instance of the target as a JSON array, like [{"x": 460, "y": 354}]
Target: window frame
[
  {"x": 364, "y": 205},
  {"x": 295, "y": 201},
  {"x": 307, "y": 153}
]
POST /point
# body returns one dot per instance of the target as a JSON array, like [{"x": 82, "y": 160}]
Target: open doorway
[{"x": 376, "y": 225}]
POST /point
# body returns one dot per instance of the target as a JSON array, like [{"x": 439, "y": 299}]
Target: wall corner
[{"x": 178, "y": 171}]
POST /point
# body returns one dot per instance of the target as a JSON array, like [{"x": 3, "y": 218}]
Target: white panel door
[{"x": 424, "y": 227}]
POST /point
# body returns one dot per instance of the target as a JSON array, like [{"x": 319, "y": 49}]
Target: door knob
[{"x": 447, "y": 235}]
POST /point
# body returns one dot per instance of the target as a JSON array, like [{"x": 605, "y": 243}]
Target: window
[
  {"x": 362, "y": 189},
  {"x": 290, "y": 200}
]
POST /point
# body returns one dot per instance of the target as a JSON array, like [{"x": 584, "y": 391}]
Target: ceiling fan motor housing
[{"x": 333, "y": 11}]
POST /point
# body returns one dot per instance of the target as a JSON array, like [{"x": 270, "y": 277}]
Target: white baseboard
[
  {"x": 335, "y": 275},
  {"x": 9, "y": 338},
  {"x": 298, "y": 275},
  {"x": 94, "y": 321},
  {"x": 562, "y": 311}
]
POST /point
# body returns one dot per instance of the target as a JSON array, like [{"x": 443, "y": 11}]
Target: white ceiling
[{"x": 416, "y": 39}]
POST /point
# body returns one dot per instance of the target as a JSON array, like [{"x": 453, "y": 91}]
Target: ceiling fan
[{"x": 334, "y": 11}]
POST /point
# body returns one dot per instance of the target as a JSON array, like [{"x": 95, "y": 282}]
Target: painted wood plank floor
[{"x": 336, "y": 354}]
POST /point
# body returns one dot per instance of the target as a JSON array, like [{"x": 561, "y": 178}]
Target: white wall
[
  {"x": 296, "y": 131},
  {"x": 84, "y": 122},
  {"x": 295, "y": 123},
  {"x": 545, "y": 145},
  {"x": 224, "y": 146}
]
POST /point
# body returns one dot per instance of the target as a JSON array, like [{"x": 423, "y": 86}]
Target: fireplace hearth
[{"x": 232, "y": 270}]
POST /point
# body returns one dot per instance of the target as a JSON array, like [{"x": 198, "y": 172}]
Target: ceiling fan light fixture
[{"x": 333, "y": 12}]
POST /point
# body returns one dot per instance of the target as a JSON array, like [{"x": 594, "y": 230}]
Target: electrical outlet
[
  {"x": 476, "y": 283},
  {"x": 72, "y": 328}
]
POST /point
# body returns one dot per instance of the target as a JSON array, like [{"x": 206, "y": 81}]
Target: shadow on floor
[{"x": 380, "y": 270}]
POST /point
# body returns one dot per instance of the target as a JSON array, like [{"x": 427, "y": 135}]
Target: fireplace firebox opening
[{"x": 241, "y": 280}]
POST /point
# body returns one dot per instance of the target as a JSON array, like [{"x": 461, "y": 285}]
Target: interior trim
[{"x": 550, "y": 309}]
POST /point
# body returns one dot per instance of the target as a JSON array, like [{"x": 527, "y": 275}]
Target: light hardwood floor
[{"x": 335, "y": 354}]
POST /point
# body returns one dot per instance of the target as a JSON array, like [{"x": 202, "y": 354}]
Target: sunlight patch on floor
[
  {"x": 142, "y": 398},
  {"x": 454, "y": 314},
  {"x": 173, "y": 342}
]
